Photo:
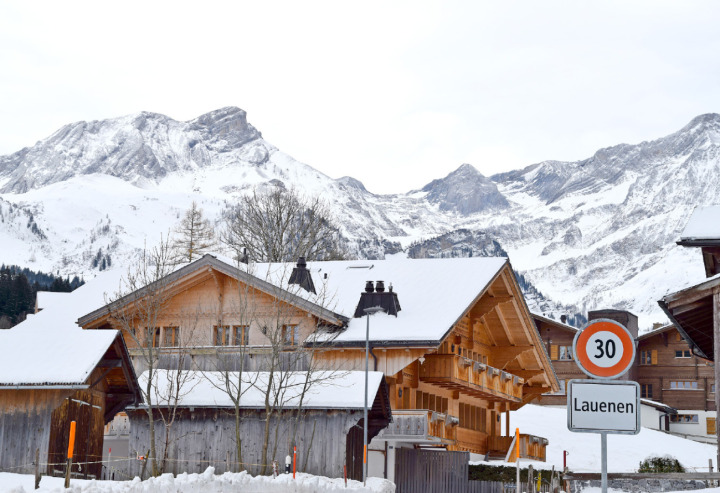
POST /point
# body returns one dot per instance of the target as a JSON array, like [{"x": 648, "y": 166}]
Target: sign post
[{"x": 604, "y": 350}]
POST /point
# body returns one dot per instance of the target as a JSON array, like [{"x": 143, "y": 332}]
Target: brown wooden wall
[
  {"x": 25, "y": 422},
  {"x": 665, "y": 368},
  {"x": 206, "y": 437},
  {"x": 90, "y": 424}
]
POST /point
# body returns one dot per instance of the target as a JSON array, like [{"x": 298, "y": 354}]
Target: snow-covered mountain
[{"x": 596, "y": 233}]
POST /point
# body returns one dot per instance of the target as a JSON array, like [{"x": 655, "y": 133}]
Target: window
[
  {"x": 683, "y": 385},
  {"x": 171, "y": 337},
  {"x": 648, "y": 357},
  {"x": 566, "y": 353},
  {"x": 241, "y": 335},
  {"x": 684, "y": 418},
  {"x": 155, "y": 336},
  {"x": 712, "y": 387},
  {"x": 646, "y": 391},
  {"x": 291, "y": 334},
  {"x": 221, "y": 335},
  {"x": 682, "y": 354},
  {"x": 473, "y": 417}
]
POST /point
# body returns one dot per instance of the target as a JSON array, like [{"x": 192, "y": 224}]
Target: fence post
[
  {"x": 37, "y": 469},
  {"x": 71, "y": 448}
]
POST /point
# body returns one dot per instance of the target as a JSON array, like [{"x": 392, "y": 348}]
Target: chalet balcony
[
  {"x": 455, "y": 372},
  {"x": 531, "y": 447},
  {"x": 421, "y": 426}
]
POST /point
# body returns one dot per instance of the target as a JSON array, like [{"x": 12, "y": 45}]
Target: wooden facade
[
  {"x": 37, "y": 417},
  {"x": 665, "y": 366},
  {"x": 450, "y": 391}
]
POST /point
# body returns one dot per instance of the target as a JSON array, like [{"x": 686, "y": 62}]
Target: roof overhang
[{"x": 691, "y": 311}]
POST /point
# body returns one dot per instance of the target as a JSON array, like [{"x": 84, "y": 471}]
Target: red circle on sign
[{"x": 584, "y": 361}]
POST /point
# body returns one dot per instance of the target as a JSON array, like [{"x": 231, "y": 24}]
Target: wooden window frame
[
  {"x": 684, "y": 353},
  {"x": 156, "y": 340},
  {"x": 646, "y": 391},
  {"x": 221, "y": 334},
  {"x": 293, "y": 330},
  {"x": 241, "y": 332},
  {"x": 174, "y": 333},
  {"x": 681, "y": 385}
]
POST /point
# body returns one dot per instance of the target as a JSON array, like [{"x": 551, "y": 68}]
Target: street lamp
[{"x": 368, "y": 311}]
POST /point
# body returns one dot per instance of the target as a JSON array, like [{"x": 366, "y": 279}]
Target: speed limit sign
[{"x": 604, "y": 349}]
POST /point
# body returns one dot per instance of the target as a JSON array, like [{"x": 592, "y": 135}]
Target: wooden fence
[{"x": 437, "y": 472}]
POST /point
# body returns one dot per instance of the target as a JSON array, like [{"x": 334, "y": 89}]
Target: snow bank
[
  {"x": 206, "y": 482},
  {"x": 624, "y": 451}
]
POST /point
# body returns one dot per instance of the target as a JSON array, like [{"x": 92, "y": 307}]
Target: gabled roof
[
  {"x": 555, "y": 323},
  {"x": 654, "y": 332},
  {"x": 691, "y": 311},
  {"x": 226, "y": 267},
  {"x": 49, "y": 349},
  {"x": 434, "y": 293}
]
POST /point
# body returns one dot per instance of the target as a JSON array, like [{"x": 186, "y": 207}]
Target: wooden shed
[
  {"x": 328, "y": 422},
  {"x": 49, "y": 378}
]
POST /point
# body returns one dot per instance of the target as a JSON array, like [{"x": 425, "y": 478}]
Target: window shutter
[
  {"x": 710, "y": 426},
  {"x": 553, "y": 352},
  {"x": 654, "y": 357}
]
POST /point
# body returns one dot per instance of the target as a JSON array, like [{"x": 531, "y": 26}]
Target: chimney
[
  {"x": 376, "y": 296},
  {"x": 302, "y": 277},
  {"x": 563, "y": 318}
]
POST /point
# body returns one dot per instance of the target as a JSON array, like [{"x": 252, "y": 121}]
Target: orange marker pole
[
  {"x": 517, "y": 459},
  {"x": 294, "y": 459},
  {"x": 71, "y": 449}
]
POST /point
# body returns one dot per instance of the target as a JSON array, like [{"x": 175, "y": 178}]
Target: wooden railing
[
  {"x": 531, "y": 447},
  {"x": 470, "y": 377},
  {"x": 421, "y": 425}
]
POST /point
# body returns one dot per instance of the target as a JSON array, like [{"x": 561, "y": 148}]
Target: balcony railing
[
  {"x": 421, "y": 425},
  {"x": 531, "y": 447},
  {"x": 455, "y": 372}
]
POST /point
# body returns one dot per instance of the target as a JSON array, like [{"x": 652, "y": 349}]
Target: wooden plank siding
[
  {"x": 87, "y": 409},
  {"x": 25, "y": 423},
  {"x": 206, "y": 437}
]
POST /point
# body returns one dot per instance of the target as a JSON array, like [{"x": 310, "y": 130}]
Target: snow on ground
[
  {"x": 624, "y": 451},
  {"x": 206, "y": 482}
]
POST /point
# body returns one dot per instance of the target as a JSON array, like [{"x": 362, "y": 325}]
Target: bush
[
  {"x": 666, "y": 463},
  {"x": 506, "y": 474}
]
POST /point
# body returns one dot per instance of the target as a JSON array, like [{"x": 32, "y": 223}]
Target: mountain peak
[{"x": 466, "y": 191}]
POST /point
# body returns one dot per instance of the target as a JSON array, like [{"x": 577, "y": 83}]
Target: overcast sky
[{"x": 394, "y": 94}]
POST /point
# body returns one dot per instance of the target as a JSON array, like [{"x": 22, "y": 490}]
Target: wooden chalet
[
  {"x": 50, "y": 376},
  {"x": 455, "y": 341}
]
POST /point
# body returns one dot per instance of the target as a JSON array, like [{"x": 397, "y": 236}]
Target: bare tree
[
  {"x": 280, "y": 225},
  {"x": 194, "y": 236},
  {"x": 138, "y": 310}
]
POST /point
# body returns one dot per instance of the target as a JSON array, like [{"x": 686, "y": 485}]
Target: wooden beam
[
  {"x": 527, "y": 374},
  {"x": 110, "y": 363},
  {"x": 486, "y": 305},
  {"x": 503, "y": 355},
  {"x": 689, "y": 307}
]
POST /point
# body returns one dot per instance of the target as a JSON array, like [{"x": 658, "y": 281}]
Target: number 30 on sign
[{"x": 604, "y": 349}]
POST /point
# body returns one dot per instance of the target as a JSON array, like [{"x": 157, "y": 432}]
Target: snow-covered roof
[
  {"x": 704, "y": 224},
  {"x": 433, "y": 293},
  {"x": 49, "y": 348},
  {"x": 49, "y": 299},
  {"x": 328, "y": 390}
]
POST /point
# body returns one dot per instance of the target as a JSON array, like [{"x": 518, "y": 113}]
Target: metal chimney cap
[
  {"x": 369, "y": 288},
  {"x": 379, "y": 286}
]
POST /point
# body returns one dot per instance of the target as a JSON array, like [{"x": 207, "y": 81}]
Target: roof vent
[
  {"x": 376, "y": 296},
  {"x": 302, "y": 277}
]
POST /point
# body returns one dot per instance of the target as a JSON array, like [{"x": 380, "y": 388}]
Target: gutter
[{"x": 44, "y": 387}]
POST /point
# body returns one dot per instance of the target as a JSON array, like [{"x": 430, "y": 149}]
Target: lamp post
[{"x": 368, "y": 312}]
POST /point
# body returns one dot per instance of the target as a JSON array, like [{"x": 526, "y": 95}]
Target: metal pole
[
  {"x": 365, "y": 409},
  {"x": 603, "y": 460}
]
